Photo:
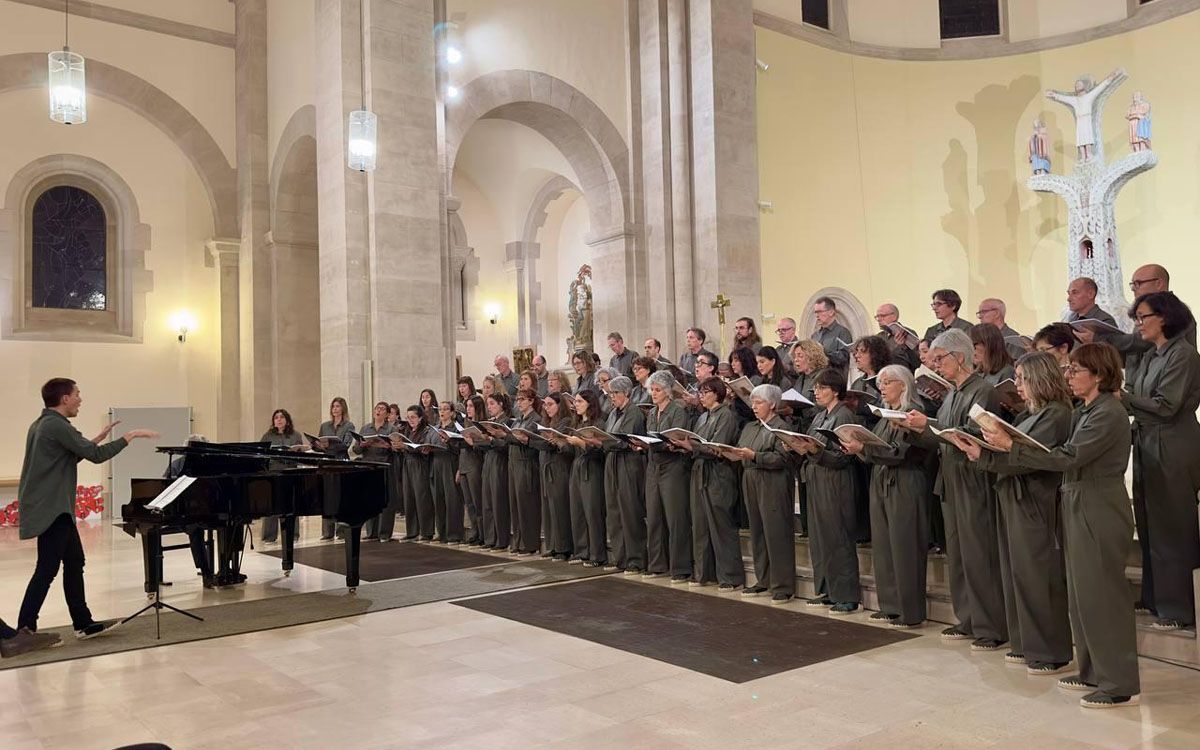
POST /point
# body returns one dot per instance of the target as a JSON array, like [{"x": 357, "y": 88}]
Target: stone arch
[
  {"x": 598, "y": 155},
  {"x": 535, "y": 219},
  {"x": 28, "y": 70},
  {"x": 131, "y": 236}
]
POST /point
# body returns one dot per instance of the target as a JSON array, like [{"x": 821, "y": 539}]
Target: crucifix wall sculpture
[{"x": 1090, "y": 191}]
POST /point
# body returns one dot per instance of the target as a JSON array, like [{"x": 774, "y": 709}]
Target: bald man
[
  {"x": 786, "y": 331},
  {"x": 992, "y": 311},
  {"x": 885, "y": 315},
  {"x": 1146, "y": 279},
  {"x": 1081, "y": 299}
]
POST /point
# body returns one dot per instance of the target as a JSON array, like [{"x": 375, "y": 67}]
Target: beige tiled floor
[{"x": 441, "y": 676}]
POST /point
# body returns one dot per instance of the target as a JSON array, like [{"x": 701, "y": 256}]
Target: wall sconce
[
  {"x": 491, "y": 311},
  {"x": 182, "y": 322}
]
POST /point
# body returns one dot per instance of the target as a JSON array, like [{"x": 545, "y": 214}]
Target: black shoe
[
  {"x": 1046, "y": 667},
  {"x": 883, "y": 616},
  {"x": 1103, "y": 700},
  {"x": 96, "y": 629},
  {"x": 781, "y": 598},
  {"x": 956, "y": 633},
  {"x": 1075, "y": 682},
  {"x": 1167, "y": 624},
  {"x": 591, "y": 564},
  {"x": 680, "y": 579},
  {"x": 547, "y": 555},
  {"x": 986, "y": 644},
  {"x": 326, "y": 538},
  {"x": 25, "y": 641},
  {"x": 754, "y": 591},
  {"x": 426, "y": 538},
  {"x": 844, "y": 608},
  {"x": 1012, "y": 657},
  {"x": 818, "y": 601},
  {"x": 562, "y": 558},
  {"x": 727, "y": 588}
]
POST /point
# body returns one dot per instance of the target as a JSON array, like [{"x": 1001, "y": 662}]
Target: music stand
[{"x": 157, "y": 604}]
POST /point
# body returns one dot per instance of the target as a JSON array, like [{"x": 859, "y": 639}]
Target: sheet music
[{"x": 173, "y": 490}]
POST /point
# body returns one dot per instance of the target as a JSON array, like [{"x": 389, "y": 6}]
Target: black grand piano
[{"x": 239, "y": 482}]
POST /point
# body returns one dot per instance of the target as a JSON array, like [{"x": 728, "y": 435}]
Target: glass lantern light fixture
[
  {"x": 66, "y": 79},
  {"x": 362, "y": 130},
  {"x": 362, "y": 146}
]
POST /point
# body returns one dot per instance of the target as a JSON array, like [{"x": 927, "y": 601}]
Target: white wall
[
  {"x": 290, "y": 59},
  {"x": 563, "y": 252},
  {"x": 199, "y": 76},
  {"x": 580, "y": 41},
  {"x": 160, "y": 371}
]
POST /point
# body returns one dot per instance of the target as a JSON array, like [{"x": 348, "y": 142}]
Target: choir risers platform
[{"x": 1178, "y": 646}]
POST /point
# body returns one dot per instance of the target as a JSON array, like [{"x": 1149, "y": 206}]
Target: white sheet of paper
[{"x": 173, "y": 490}]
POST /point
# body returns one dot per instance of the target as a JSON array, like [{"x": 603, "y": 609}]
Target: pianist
[{"x": 49, "y": 474}]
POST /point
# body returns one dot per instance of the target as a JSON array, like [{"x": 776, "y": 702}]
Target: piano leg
[
  {"x": 287, "y": 529},
  {"x": 353, "y": 546},
  {"x": 152, "y": 560}
]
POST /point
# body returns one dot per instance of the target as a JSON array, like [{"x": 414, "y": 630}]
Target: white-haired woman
[
  {"x": 968, "y": 497},
  {"x": 668, "y": 503},
  {"x": 1031, "y": 553},
  {"x": 767, "y": 490},
  {"x": 625, "y": 482},
  {"x": 899, "y": 505}
]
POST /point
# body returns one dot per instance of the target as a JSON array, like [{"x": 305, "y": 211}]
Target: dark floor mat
[
  {"x": 733, "y": 640},
  {"x": 383, "y": 562}
]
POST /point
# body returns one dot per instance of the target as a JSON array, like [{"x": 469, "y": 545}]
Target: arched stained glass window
[{"x": 70, "y": 254}]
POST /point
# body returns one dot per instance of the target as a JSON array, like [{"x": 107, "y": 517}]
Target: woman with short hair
[
  {"x": 1056, "y": 339},
  {"x": 831, "y": 483},
  {"x": 767, "y": 490},
  {"x": 668, "y": 507},
  {"x": 1162, "y": 397},
  {"x": 899, "y": 506},
  {"x": 716, "y": 549}
]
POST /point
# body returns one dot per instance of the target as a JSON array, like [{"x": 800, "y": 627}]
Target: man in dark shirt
[
  {"x": 1081, "y": 300},
  {"x": 945, "y": 305},
  {"x": 622, "y": 358}
]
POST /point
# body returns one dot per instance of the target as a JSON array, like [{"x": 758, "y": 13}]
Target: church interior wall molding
[
  {"x": 133, "y": 19},
  {"x": 977, "y": 48},
  {"x": 129, "y": 238},
  {"x": 28, "y": 70}
]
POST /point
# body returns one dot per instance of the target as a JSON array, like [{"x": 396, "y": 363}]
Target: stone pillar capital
[
  {"x": 222, "y": 252},
  {"x": 604, "y": 235}
]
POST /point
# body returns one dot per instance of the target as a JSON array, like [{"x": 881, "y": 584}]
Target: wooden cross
[{"x": 719, "y": 304}]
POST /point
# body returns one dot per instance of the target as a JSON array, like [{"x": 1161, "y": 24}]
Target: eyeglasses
[
  {"x": 937, "y": 303},
  {"x": 1140, "y": 319},
  {"x": 936, "y": 359},
  {"x": 1135, "y": 283},
  {"x": 984, "y": 310},
  {"x": 1072, "y": 370},
  {"x": 785, "y": 330}
]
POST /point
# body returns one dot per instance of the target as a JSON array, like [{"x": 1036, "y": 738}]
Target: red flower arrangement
[{"x": 88, "y": 500}]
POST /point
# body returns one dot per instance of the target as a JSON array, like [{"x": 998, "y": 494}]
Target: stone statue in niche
[
  {"x": 1083, "y": 104},
  {"x": 579, "y": 312},
  {"x": 1039, "y": 148},
  {"x": 1090, "y": 190},
  {"x": 1139, "y": 122}
]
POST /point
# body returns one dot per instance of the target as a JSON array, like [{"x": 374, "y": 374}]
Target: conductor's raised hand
[{"x": 140, "y": 433}]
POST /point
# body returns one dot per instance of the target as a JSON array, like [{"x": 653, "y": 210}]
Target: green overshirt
[{"x": 49, "y": 473}]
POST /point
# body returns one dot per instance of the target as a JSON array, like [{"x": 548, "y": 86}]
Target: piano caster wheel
[
  {"x": 287, "y": 574},
  {"x": 150, "y": 595},
  {"x": 353, "y": 589}
]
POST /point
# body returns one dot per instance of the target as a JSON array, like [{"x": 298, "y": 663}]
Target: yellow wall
[{"x": 893, "y": 179}]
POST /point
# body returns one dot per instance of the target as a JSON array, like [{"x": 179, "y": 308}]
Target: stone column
[
  {"x": 223, "y": 254},
  {"x": 520, "y": 260},
  {"x": 296, "y": 330},
  {"x": 383, "y": 298},
  {"x": 666, "y": 164},
  {"x": 724, "y": 160},
  {"x": 254, "y": 211},
  {"x": 613, "y": 282}
]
